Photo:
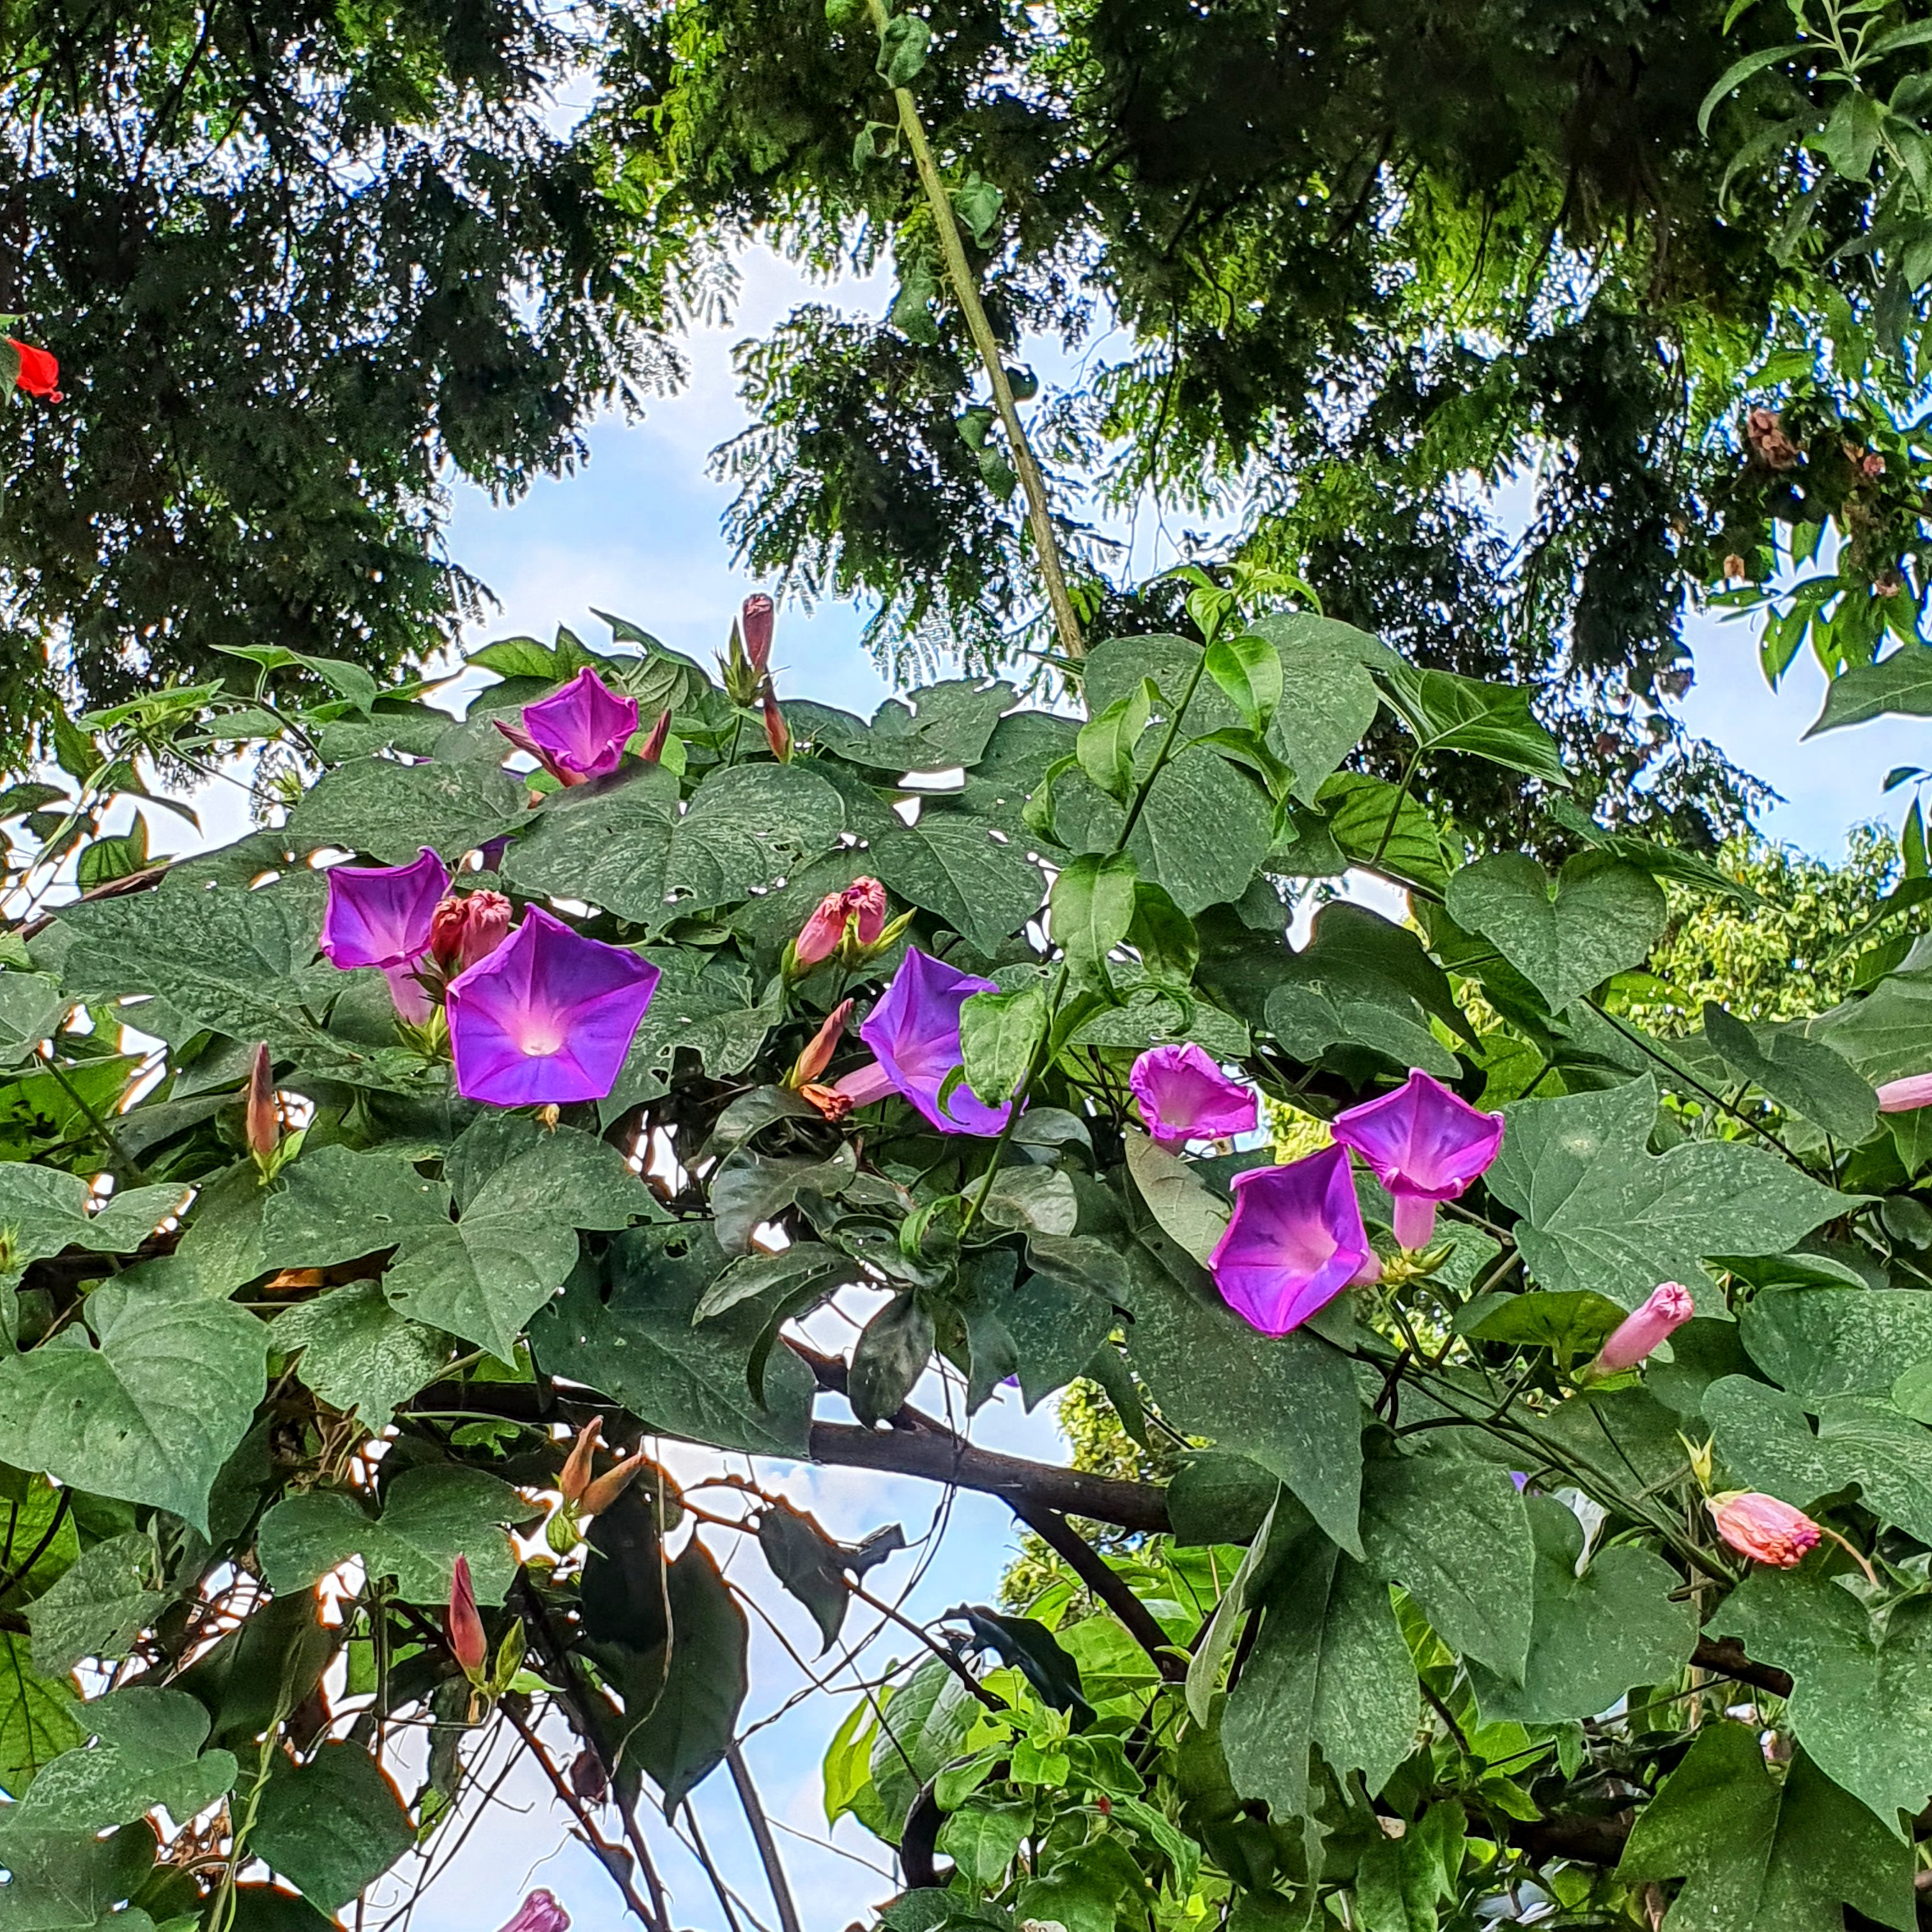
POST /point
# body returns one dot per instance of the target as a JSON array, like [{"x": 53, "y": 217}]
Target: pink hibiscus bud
[
  {"x": 264, "y": 1117},
  {"x": 652, "y": 753},
  {"x": 819, "y": 1049},
  {"x": 1763, "y": 1528},
  {"x": 778, "y": 732},
  {"x": 539, "y": 1912},
  {"x": 757, "y": 619},
  {"x": 468, "y": 928},
  {"x": 1183, "y": 1096},
  {"x": 1425, "y": 1145},
  {"x": 467, "y": 1643},
  {"x": 1905, "y": 1096},
  {"x": 577, "y": 1465},
  {"x": 1669, "y": 1307}
]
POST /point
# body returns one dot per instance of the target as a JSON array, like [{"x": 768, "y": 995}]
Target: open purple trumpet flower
[
  {"x": 1295, "y": 1242},
  {"x": 547, "y": 1018},
  {"x": 577, "y": 733},
  {"x": 1184, "y": 1096},
  {"x": 914, "y": 1033},
  {"x": 1424, "y": 1145},
  {"x": 380, "y": 915}
]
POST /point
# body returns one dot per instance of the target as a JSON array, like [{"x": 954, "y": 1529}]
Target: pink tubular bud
[
  {"x": 819, "y": 1049},
  {"x": 1668, "y": 1309},
  {"x": 1763, "y": 1528},
  {"x": 778, "y": 732},
  {"x": 467, "y": 1643},
  {"x": 757, "y": 618},
  {"x": 539, "y": 1912},
  {"x": 577, "y": 1466},
  {"x": 605, "y": 1490},
  {"x": 860, "y": 907},
  {"x": 264, "y": 1118},
  {"x": 467, "y": 929},
  {"x": 1904, "y": 1096},
  {"x": 652, "y": 753}
]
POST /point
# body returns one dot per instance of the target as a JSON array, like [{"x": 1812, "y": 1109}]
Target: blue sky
[{"x": 636, "y": 531}]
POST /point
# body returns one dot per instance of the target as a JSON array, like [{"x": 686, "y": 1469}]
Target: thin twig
[{"x": 761, "y": 1836}]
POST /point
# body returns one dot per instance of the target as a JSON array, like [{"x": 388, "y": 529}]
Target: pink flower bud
[
  {"x": 465, "y": 930},
  {"x": 605, "y": 1490},
  {"x": 819, "y": 1049},
  {"x": 264, "y": 1118},
  {"x": 1668, "y": 1309},
  {"x": 539, "y": 1912},
  {"x": 467, "y": 1643},
  {"x": 864, "y": 901},
  {"x": 778, "y": 732},
  {"x": 577, "y": 1466},
  {"x": 653, "y": 752},
  {"x": 757, "y": 618},
  {"x": 1763, "y": 1528},
  {"x": 1904, "y": 1096}
]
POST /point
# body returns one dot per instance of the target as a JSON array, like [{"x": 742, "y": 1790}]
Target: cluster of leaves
[
  {"x": 1346, "y": 1664},
  {"x": 285, "y": 257}
]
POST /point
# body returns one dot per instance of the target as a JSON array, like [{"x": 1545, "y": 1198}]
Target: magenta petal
[
  {"x": 1295, "y": 1242},
  {"x": 379, "y": 915},
  {"x": 1421, "y": 1142},
  {"x": 583, "y": 728},
  {"x": 914, "y": 1033},
  {"x": 548, "y": 1018},
  {"x": 1184, "y": 1095}
]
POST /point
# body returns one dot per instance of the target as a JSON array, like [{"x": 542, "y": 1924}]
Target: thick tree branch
[{"x": 1092, "y": 1568}]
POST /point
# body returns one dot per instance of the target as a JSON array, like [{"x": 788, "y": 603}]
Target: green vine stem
[{"x": 966, "y": 287}]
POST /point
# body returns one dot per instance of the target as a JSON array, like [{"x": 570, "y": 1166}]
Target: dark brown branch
[
  {"x": 1724, "y": 1657},
  {"x": 1093, "y": 1569},
  {"x": 761, "y": 1836}
]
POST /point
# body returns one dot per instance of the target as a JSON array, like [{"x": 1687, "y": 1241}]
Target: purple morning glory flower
[
  {"x": 547, "y": 1017},
  {"x": 1184, "y": 1095},
  {"x": 578, "y": 733},
  {"x": 380, "y": 915},
  {"x": 914, "y": 1033},
  {"x": 1295, "y": 1242},
  {"x": 1424, "y": 1145}
]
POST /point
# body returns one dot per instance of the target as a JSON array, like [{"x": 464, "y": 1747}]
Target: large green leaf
[
  {"x": 236, "y": 962},
  {"x": 1886, "y": 1035},
  {"x": 1601, "y": 1212},
  {"x": 333, "y": 1825},
  {"x": 392, "y": 811},
  {"x": 1463, "y": 716},
  {"x": 431, "y": 1515},
  {"x": 1328, "y": 699},
  {"x": 1454, "y": 1534},
  {"x": 1376, "y": 823},
  {"x": 1591, "y": 1637},
  {"x": 1819, "y": 1342},
  {"x": 702, "y": 1005},
  {"x": 148, "y": 1753},
  {"x": 1861, "y": 1686},
  {"x": 484, "y": 1277},
  {"x": 31, "y": 1005},
  {"x": 691, "y": 1726},
  {"x": 45, "y": 1209},
  {"x": 930, "y": 730},
  {"x": 607, "y": 847},
  {"x": 335, "y": 1204},
  {"x": 357, "y": 1352},
  {"x": 1330, "y": 1668},
  {"x": 1766, "y": 1443},
  {"x": 37, "y": 1721},
  {"x": 639, "y": 1345},
  {"x": 1204, "y": 829},
  {"x": 1286, "y": 1402},
  {"x": 1901, "y": 683},
  {"x": 749, "y": 826},
  {"x": 1805, "y": 1076},
  {"x": 952, "y": 865},
  {"x": 71, "y": 1881},
  {"x": 1309, "y": 1016},
  {"x": 150, "y": 1414},
  {"x": 1758, "y": 1855},
  {"x": 100, "y": 1607},
  {"x": 1599, "y": 919}
]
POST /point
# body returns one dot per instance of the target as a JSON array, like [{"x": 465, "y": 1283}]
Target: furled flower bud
[
  {"x": 652, "y": 753},
  {"x": 1668, "y": 1309},
  {"x": 860, "y": 907},
  {"x": 264, "y": 1117},
  {"x": 819, "y": 1049},
  {"x": 35, "y": 371},
  {"x": 539, "y": 1912},
  {"x": 757, "y": 619},
  {"x": 778, "y": 732},
  {"x": 1736, "y": 570},
  {"x": 605, "y": 1490},
  {"x": 1763, "y": 1528},
  {"x": 742, "y": 678},
  {"x": 465, "y": 929},
  {"x": 1905, "y": 1096},
  {"x": 467, "y": 1643},
  {"x": 577, "y": 1466}
]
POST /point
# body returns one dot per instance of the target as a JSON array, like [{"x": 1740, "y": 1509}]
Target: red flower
[{"x": 38, "y": 373}]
